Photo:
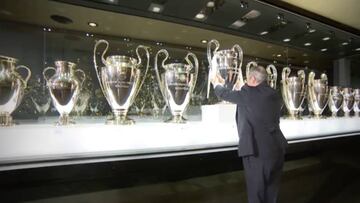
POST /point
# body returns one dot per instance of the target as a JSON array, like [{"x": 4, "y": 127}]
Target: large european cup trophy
[
  {"x": 335, "y": 100},
  {"x": 318, "y": 91},
  {"x": 272, "y": 75},
  {"x": 120, "y": 81},
  {"x": 348, "y": 101},
  {"x": 64, "y": 87},
  {"x": 12, "y": 86},
  {"x": 177, "y": 83},
  {"x": 357, "y": 102},
  {"x": 293, "y": 91},
  {"x": 227, "y": 63}
]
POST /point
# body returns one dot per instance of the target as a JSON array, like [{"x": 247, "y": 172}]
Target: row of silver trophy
[{"x": 121, "y": 78}]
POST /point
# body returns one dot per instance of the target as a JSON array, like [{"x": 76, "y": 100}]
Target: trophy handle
[
  {"x": 240, "y": 52},
  {"x": 161, "y": 84},
  {"x": 98, "y": 73},
  {"x": 139, "y": 64},
  {"x": 301, "y": 74},
  {"x": 311, "y": 93},
  {"x": 196, "y": 68},
  {"x": 248, "y": 66},
  {"x": 272, "y": 72},
  {"x": 28, "y": 73},
  {"x": 83, "y": 78},
  {"x": 285, "y": 75},
  {"x": 46, "y": 70},
  {"x": 210, "y": 54}
]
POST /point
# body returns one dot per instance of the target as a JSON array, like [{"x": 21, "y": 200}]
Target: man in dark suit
[{"x": 261, "y": 142}]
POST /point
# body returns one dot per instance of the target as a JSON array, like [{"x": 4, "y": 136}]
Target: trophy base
[
  {"x": 176, "y": 119},
  {"x": 318, "y": 117},
  {"x": 357, "y": 114},
  {"x": 293, "y": 117},
  {"x": 64, "y": 120},
  {"x": 347, "y": 114},
  {"x": 121, "y": 120},
  {"x": 6, "y": 120}
]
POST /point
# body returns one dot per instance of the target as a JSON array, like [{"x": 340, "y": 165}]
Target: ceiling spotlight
[
  {"x": 92, "y": 24},
  {"x": 324, "y": 49},
  {"x": 47, "y": 29},
  {"x": 287, "y": 40},
  {"x": 278, "y": 55},
  {"x": 89, "y": 35},
  {"x": 126, "y": 39},
  {"x": 159, "y": 43},
  {"x": 325, "y": 38},
  {"x": 200, "y": 16},
  {"x": 237, "y": 24},
  {"x": 345, "y": 43},
  {"x": 264, "y": 32},
  {"x": 204, "y": 41},
  {"x": 357, "y": 49},
  {"x": 210, "y": 4},
  {"x": 244, "y": 4},
  {"x": 156, "y": 8},
  {"x": 307, "y": 44},
  {"x": 312, "y": 30}
]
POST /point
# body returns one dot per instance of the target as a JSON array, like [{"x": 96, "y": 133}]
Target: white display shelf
[{"x": 35, "y": 144}]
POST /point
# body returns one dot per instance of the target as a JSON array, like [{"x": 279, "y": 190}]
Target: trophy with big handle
[
  {"x": 272, "y": 75},
  {"x": 12, "y": 87},
  {"x": 226, "y": 63},
  {"x": 335, "y": 100},
  {"x": 177, "y": 83},
  {"x": 348, "y": 101},
  {"x": 318, "y": 92},
  {"x": 357, "y": 102},
  {"x": 293, "y": 91},
  {"x": 120, "y": 80},
  {"x": 64, "y": 87}
]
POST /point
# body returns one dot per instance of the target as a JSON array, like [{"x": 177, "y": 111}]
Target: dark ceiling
[{"x": 280, "y": 24}]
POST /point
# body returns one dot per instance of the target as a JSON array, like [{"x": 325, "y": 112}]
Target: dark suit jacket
[{"x": 257, "y": 118}]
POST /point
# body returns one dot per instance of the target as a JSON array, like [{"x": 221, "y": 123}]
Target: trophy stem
[
  {"x": 176, "y": 119},
  {"x": 357, "y": 114},
  {"x": 6, "y": 120},
  {"x": 318, "y": 116},
  {"x": 293, "y": 115},
  {"x": 346, "y": 114},
  {"x": 334, "y": 114},
  {"x": 120, "y": 118},
  {"x": 64, "y": 119}
]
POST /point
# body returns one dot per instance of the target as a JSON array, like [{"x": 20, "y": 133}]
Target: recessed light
[
  {"x": 357, "y": 49},
  {"x": 159, "y": 43},
  {"x": 92, "y": 24},
  {"x": 324, "y": 49},
  {"x": 287, "y": 40},
  {"x": 307, "y": 44},
  {"x": 156, "y": 8},
  {"x": 251, "y": 15},
  {"x": 312, "y": 30},
  {"x": 345, "y": 43},
  {"x": 325, "y": 38},
  {"x": 89, "y": 35},
  {"x": 210, "y": 4},
  {"x": 278, "y": 55},
  {"x": 204, "y": 41},
  {"x": 264, "y": 32},
  {"x": 126, "y": 39},
  {"x": 200, "y": 16}
]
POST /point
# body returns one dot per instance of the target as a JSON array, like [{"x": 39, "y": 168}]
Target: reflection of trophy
[
  {"x": 177, "y": 84},
  {"x": 293, "y": 91},
  {"x": 348, "y": 101},
  {"x": 248, "y": 67},
  {"x": 12, "y": 87},
  {"x": 272, "y": 75},
  {"x": 335, "y": 100},
  {"x": 64, "y": 88},
  {"x": 317, "y": 93},
  {"x": 225, "y": 62},
  {"x": 82, "y": 102},
  {"x": 357, "y": 102},
  {"x": 120, "y": 82}
]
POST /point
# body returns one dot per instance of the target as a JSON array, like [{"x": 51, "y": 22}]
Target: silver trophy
[
  {"x": 318, "y": 92},
  {"x": 64, "y": 87},
  {"x": 293, "y": 91},
  {"x": 357, "y": 102},
  {"x": 335, "y": 100},
  {"x": 177, "y": 83},
  {"x": 348, "y": 101},
  {"x": 12, "y": 86},
  {"x": 227, "y": 63},
  {"x": 248, "y": 67},
  {"x": 272, "y": 75},
  {"x": 119, "y": 79}
]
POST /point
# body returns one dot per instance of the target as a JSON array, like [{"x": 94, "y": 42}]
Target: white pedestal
[{"x": 218, "y": 113}]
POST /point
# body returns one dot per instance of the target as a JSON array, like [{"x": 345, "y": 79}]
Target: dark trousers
[{"x": 262, "y": 178}]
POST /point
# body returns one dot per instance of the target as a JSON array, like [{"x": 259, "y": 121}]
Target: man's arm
[{"x": 226, "y": 94}]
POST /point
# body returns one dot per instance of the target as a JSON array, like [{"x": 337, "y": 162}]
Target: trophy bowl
[
  {"x": 227, "y": 63},
  {"x": 64, "y": 87},
  {"x": 293, "y": 91},
  {"x": 177, "y": 84},
  {"x": 120, "y": 81},
  {"x": 348, "y": 101},
  {"x": 318, "y": 92},
  {"x": 357, "y": 102},
  {"x": 335, "y": 100},
  {"x": 12, "y": 87}
]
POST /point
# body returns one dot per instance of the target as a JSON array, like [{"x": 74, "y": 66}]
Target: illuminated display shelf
[{"x": 37, "y": 144}]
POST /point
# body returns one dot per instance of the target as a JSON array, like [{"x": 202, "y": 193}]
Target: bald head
[{"x": 257, "y": 75}]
